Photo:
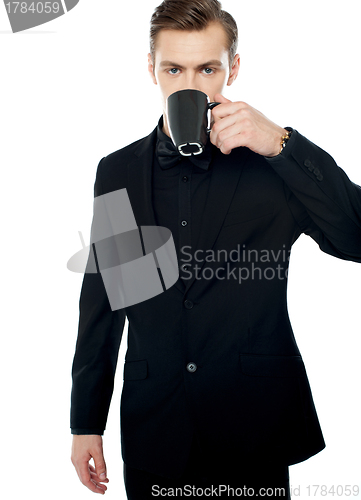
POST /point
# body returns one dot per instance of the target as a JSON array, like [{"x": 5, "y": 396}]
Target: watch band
[{"x": 285, "y": 138}]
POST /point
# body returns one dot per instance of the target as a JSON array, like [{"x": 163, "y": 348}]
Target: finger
[
  {"x": 223, "y": 100},
  {"x": 232, "y": 142},
  {"x": 96, "y": 487},
  {"x": 99, "y": 462},
  {"x": 220, "y": 98},
  {"x": 85, "y": 477},
  {"x": 219, "y": 125},
  {"x": 223, "y": 129},
  {"x": 229, "y": 138},
  {"x": 94, "y": 477},
  {"x": 93, "y": 471},
  {"x": 228, "y": 108},
  {"x": 227, "y": 121},
  {"x": 99, "y": 485}
]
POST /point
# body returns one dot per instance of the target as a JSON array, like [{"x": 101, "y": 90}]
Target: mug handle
[{"x": 210, "y": 106}]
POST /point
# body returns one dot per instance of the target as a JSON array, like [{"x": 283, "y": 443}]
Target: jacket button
[
  {"x": 188, "y": 304},
  {"x": 316, "y": 171},
  {"x": 320, "y": 177},
  {"x": 191, "y": 367},
  {"x": 307, "y": 163}
]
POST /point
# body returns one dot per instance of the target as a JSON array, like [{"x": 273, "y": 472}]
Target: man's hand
[
  {"x": 83, "y": 449},
  {"x": 238, "y": 124}
]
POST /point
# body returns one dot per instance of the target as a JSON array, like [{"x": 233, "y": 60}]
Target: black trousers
[{"x": 203, "y": 480}]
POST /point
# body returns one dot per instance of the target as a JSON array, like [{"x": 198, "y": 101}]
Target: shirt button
[
  {"x": 191, "y": 367},
  {"x": 185, "y": 179},
  {"x": 185, "y": 267},
  {"x": 184, "y": 222},
  {"x": 188, "y": 304}
]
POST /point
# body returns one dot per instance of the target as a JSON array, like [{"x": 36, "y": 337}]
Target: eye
[
  {"x": 208, "y": 71},
  {"x": 173, "y": 71}
]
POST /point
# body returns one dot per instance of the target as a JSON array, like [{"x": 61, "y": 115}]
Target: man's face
[{"x": 192, "y": 60}]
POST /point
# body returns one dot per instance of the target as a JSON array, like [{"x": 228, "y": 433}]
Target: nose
[{"x": 191, "y": 81}]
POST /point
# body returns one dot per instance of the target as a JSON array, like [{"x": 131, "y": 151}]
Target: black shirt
[{"x": 179, "y": 197}]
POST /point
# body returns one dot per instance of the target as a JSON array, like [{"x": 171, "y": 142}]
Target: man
[{"x": 214, "y": 384}]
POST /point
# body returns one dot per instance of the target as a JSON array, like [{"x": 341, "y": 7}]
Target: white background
[{"x": 77, "y": 89}]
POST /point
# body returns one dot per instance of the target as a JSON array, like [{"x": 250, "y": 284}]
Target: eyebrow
[{"x": 213, "y": 62}]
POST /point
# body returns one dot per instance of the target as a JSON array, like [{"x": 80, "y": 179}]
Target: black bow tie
[{"x": 168, "y": 156}]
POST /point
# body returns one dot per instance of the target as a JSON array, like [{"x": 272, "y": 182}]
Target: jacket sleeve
[
  {"x": 99, "y": 335},
  {"x": 324, "y": 201}
]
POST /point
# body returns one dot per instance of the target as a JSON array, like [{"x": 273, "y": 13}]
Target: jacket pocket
[
  {"x": 135, "y": 370},
  {"x": 247, "y": 214},
  {"x": 272, "y": 366},
  {"x": 274, "y": 401}
]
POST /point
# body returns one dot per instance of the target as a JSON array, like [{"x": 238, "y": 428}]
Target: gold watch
[{"x": 285, "y": 138}]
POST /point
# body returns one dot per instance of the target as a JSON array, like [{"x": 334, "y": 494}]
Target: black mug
[{"x": 188, "y": 121}]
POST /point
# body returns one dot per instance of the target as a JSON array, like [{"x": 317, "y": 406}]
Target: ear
[
  {"x": 235, "y": 69},
  {"x": 151, "y": 69}
]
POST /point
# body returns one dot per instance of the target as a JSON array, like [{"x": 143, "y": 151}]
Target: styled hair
[{"x": 192, "y": 15}]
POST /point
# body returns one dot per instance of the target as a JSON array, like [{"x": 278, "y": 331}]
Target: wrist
[{"x": 282, "y": 137}]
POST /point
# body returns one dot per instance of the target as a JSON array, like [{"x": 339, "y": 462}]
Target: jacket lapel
[
  {"x": 140, "y": 181},
  {"x": 140, "y": 186}
]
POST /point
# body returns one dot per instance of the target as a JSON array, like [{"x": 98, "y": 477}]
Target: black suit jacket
[{"x": 249, "y": 396}]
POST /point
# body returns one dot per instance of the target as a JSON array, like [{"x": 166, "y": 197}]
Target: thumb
[
  {"x": 99, "y": 462},
  {"x": 220, "y": 98}
]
